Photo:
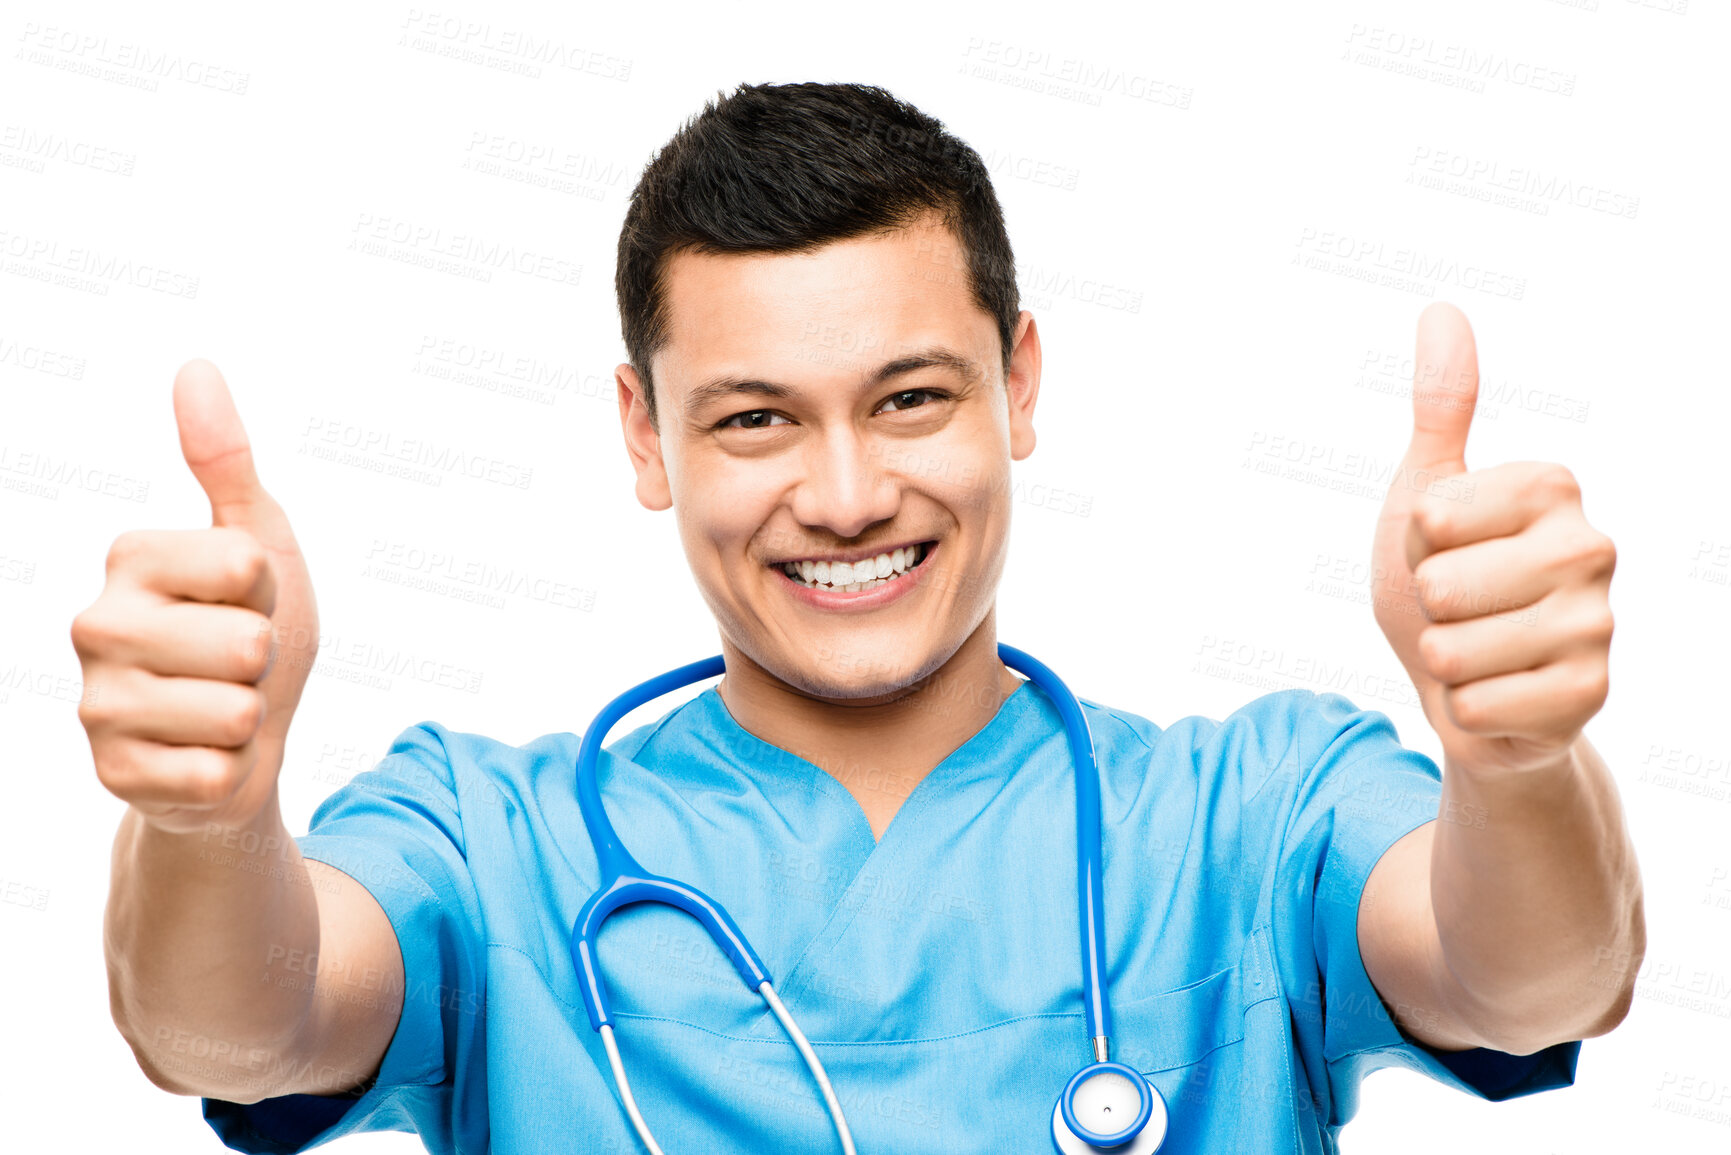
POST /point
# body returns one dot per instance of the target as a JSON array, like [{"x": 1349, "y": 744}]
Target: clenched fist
[
  {"x": 197, "y": 650},
  {"x": 1494, "y": 591}
]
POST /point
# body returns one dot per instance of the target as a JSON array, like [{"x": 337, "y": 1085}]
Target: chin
[{"x": 853, "y": 666}]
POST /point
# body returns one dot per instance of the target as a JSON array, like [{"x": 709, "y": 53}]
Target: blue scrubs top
[{"x": 936, "y": 971}]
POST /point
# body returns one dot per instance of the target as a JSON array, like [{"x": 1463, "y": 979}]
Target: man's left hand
[{"x": 1490, "y": 584}]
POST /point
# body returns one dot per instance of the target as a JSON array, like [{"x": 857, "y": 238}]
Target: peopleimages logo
[
  {"x": 1514, "y": 186},
  {"x": 42, "y": 474},
  {"x": 32, "y": 150},
  {"x": 89, "y": 269},
  {"x": 1373, "y": 259},
  {"x": 136, "y": 65},
  {"x": 1453, "y": 65},
  {"x": 417, "y": 459},
  {"x": 465, "y": 254},
  {"x": 507, "y": 49},
  {"x": 1069, "y": 77},
  {"x": 39, "y": 360}
]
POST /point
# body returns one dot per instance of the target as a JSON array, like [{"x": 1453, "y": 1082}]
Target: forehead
[{"x": 848, "y": 305}]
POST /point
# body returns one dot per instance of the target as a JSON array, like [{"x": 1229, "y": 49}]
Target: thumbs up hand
[
  {"x": 197, "y": 650},
  {"x": 1490, "y": 585}
]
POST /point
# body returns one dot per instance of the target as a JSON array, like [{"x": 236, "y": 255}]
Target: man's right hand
[
  {"x": 194, "y": 660},
  {"x": 197, "y": 650}
]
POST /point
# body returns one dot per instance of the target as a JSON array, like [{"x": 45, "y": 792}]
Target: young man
[{"x": 828, "y": 365}]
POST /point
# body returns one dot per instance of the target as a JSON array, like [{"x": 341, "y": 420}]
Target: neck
[{"x": 878, "y": 748}]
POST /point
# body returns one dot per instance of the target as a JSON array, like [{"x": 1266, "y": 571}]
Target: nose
[{"x": 845, "y": 487}]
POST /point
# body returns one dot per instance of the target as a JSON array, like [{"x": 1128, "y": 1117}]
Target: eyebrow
[{"x": 720, "y": 388}]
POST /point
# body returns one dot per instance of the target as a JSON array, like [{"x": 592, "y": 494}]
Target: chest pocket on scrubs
[
  {"x": 1179, "y": 1027},
  {"x": 1190, "y": 1043}
]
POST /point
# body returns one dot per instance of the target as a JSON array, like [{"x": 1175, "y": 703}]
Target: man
[{"x": 828, "y": 365}]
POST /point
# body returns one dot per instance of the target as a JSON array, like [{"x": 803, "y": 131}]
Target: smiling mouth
[{"x": 865, "y": 574}]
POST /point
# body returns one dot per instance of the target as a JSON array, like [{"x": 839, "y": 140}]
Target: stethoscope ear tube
[
  {"x": 610, "y": 853},
  {"x": 623, "y": 879},
  {"x": 1120, "y": 1098},
  {"x": 1090, "y": 901},
  {"x": 624, "y": 891}
]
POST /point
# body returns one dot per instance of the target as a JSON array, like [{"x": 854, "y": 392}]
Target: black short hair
[{"x": 793, "y": 167}]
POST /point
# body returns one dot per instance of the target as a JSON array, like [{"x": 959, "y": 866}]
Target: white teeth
[{"x": 850, "y": 577}]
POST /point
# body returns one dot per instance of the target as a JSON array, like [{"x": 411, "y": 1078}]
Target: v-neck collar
[
  {"x": 768, "y": 765},
  {"x": 773, "y": 770}
]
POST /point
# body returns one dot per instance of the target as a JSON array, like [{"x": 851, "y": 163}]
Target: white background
[{"x": 1265, "y": 139}]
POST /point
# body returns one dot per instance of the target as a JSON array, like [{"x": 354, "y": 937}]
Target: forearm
[
  {"x": 1537, "y": 899},
  {"x": 207, "y": 937}
]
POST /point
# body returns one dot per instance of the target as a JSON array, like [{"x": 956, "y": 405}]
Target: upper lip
[{"x": 851, "y": 556}]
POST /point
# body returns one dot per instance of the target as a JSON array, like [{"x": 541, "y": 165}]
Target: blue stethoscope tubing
[{"x": 625, "y": 881}]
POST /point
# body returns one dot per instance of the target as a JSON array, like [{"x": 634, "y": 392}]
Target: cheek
[
  {"x": 975, "y": 453},
  {"x": 975, "y": 489},
  {"x": 719, "y": 514}
]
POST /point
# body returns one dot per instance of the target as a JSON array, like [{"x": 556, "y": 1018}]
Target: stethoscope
[{"x": 1105, "y": 1106}]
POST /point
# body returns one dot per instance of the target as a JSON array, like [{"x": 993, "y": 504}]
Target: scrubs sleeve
[
  {"x": 397, "y": 830},
  {"x": 1360, "y": 792}
]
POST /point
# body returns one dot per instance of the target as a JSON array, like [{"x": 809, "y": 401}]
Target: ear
[
  {"x": 642, "y": 442},
  {"x": 1023, "y": 385}
]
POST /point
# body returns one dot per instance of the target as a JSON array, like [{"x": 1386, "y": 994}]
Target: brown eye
[
  {"x": 753, "y": 419},
  {"x": 912, "y": 398}
]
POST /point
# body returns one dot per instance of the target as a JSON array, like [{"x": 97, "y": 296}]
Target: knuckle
[
  {"x": 125, "y": 551},
  {"x": 243, "y": 563},
  {"x": 1596, "y": 686},
  {"x": 240, "y": 720},
  {"x": 208, "y": 776},
  {"x": 1600, "y": 623},
  {"x": 96, "y": 711},
  {"x": 1558, "y": 482},
  {"x": 1440, "y": 659},
  {"x": 1600, "y": 553},
  {"x": 1433, "y": 591},
  {"x": 96, "y": 630},
  {"x": 83, "y": 633},
  {"x": 1469, "y": 710},
  {"x": 1432, "y": 519},
  {"x": 251, "y": 652},
  {"x": 113, "y": 765}
]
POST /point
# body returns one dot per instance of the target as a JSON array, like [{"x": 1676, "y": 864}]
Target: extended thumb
[
  {"x": 1445, "y": 389},
  {"x": 216, "y": 449}
]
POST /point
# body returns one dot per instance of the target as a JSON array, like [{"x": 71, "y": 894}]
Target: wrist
[
  {"x": 251, "y": 842},
  {"x": 1537, "y": 775},
  {"x": 1479, "y": 797}
]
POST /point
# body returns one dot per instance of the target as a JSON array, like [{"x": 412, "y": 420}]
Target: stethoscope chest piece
[{"x": 1109, "y": 1107}]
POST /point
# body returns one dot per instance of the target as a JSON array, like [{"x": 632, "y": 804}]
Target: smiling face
[{"x": 835, "y": 438}]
